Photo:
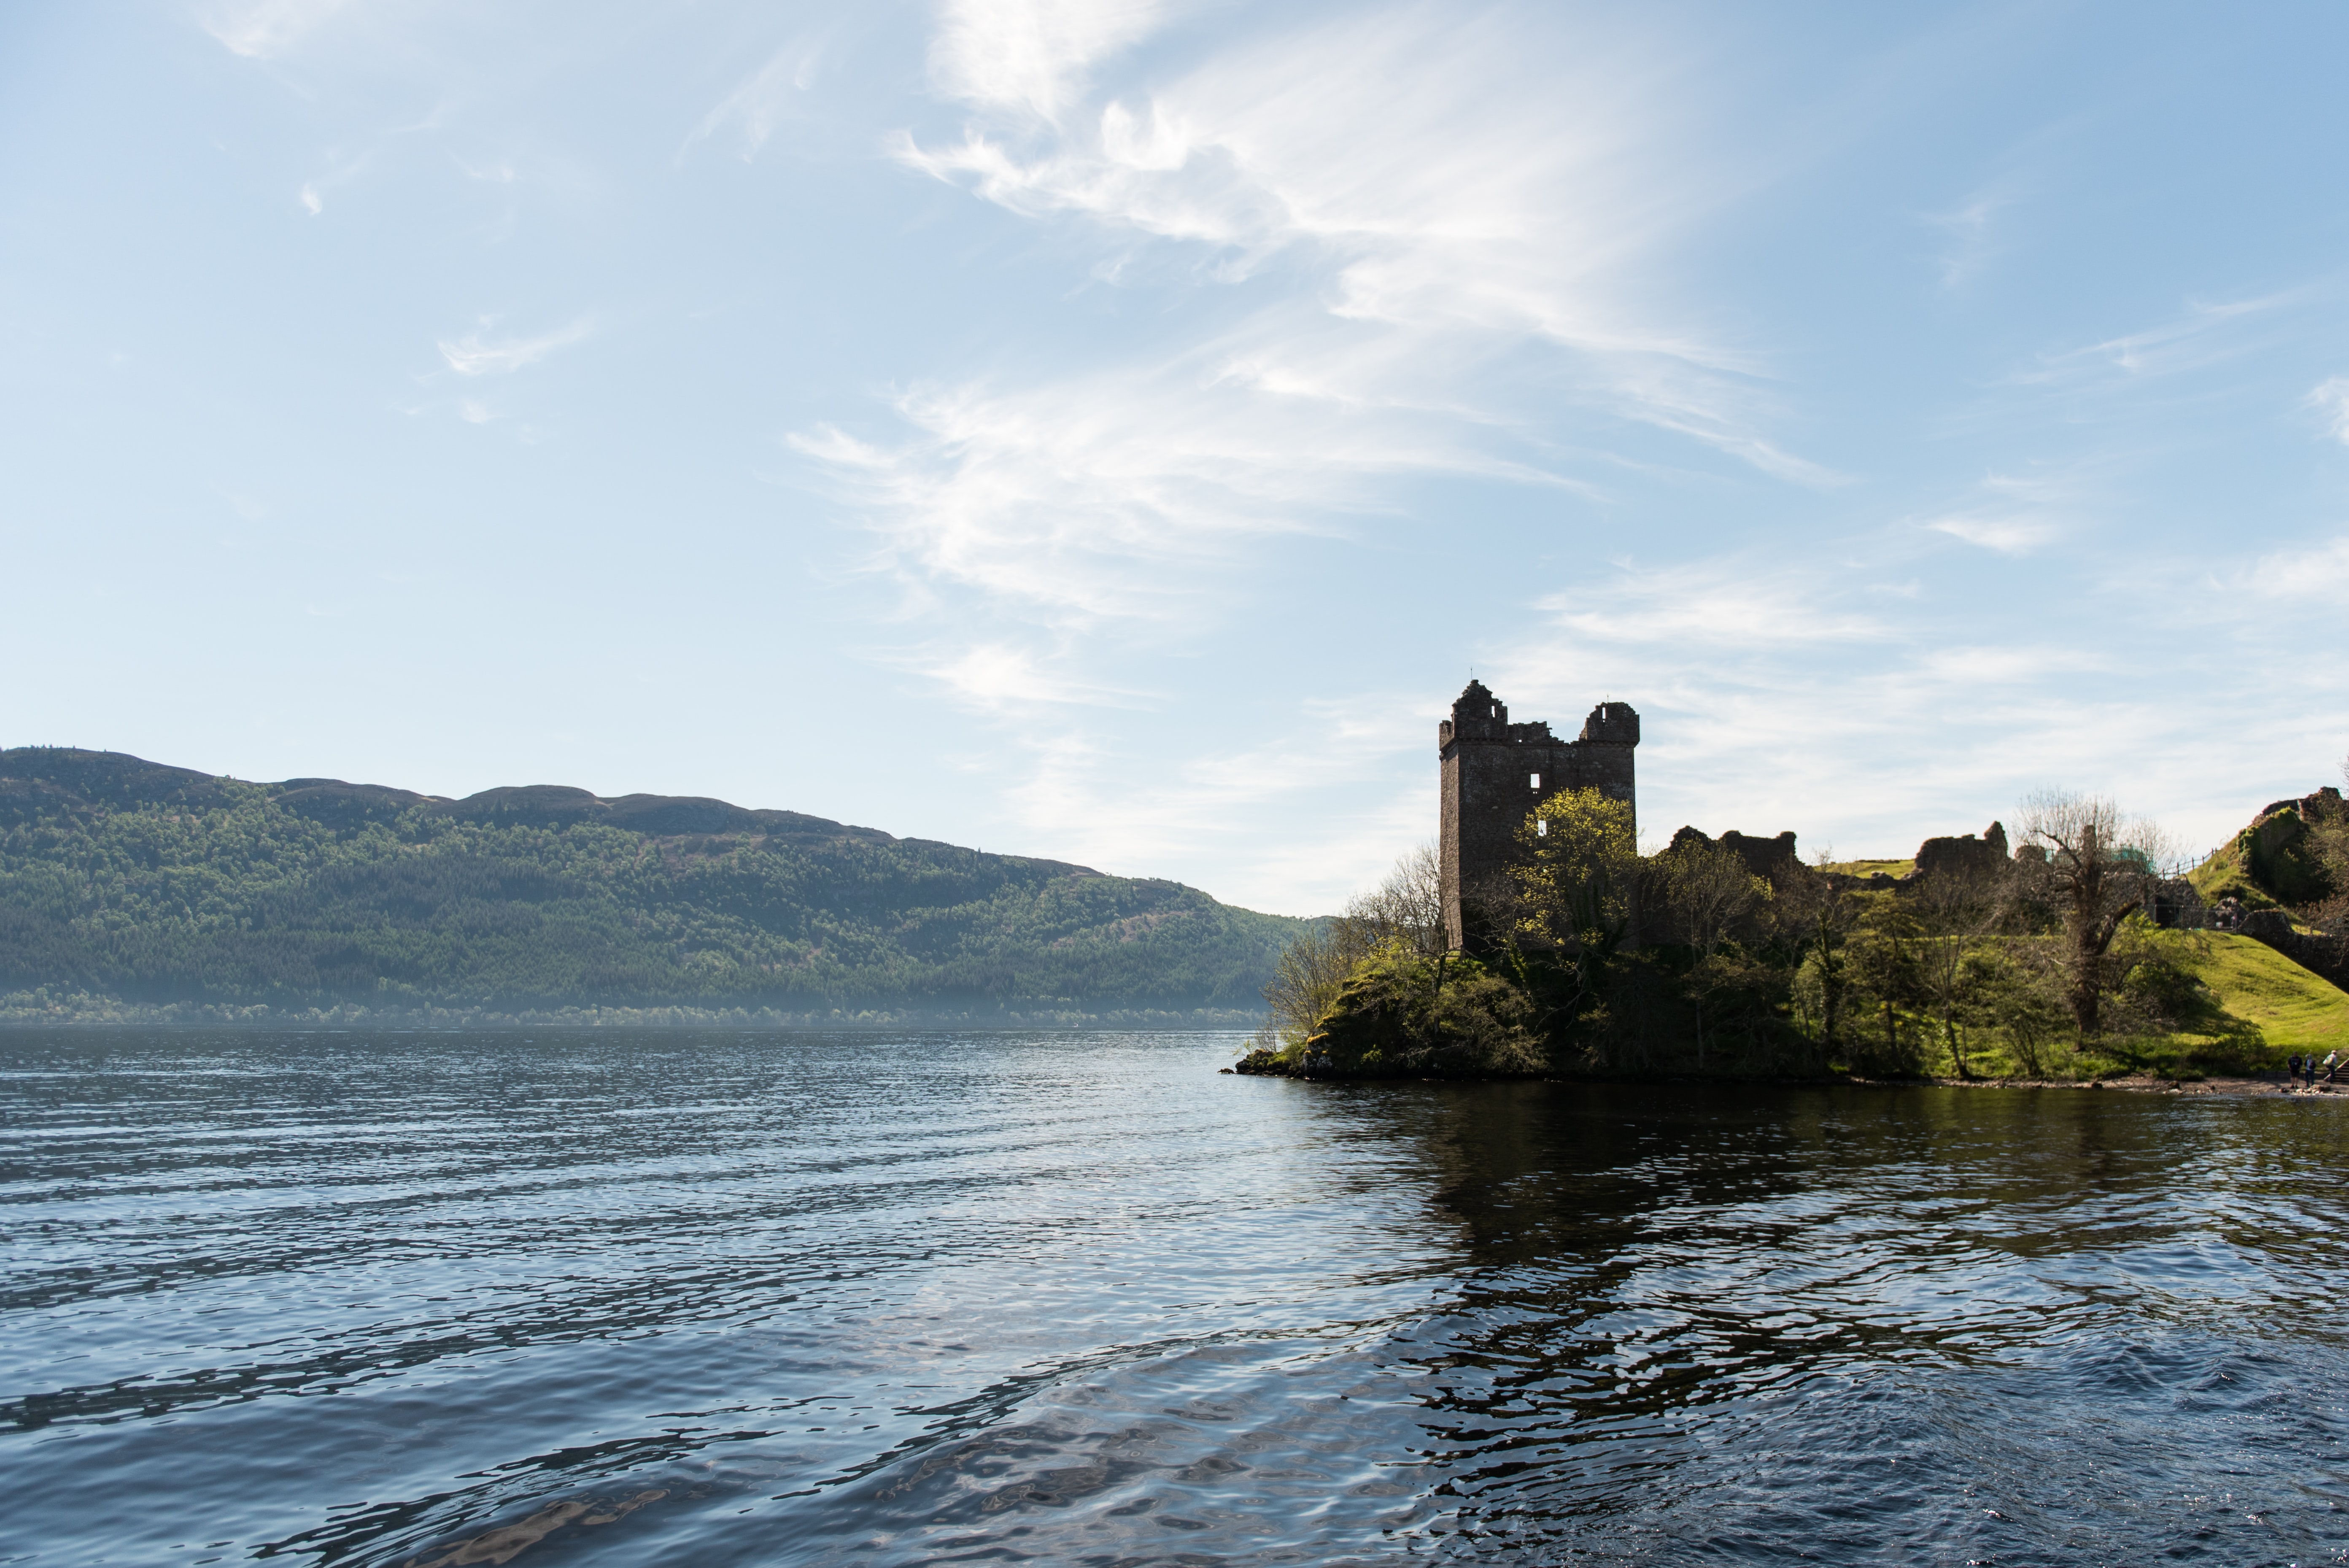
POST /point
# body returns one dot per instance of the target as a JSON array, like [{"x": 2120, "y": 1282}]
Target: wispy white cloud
[
  {"x": 1429, "y": 176},
  {"x": 2006, "y": 535},
  {"x": 999, "y": 677},
  {"x": 1726, "y": 602},
  {"x": 1124, "y": 495},
  {"x": 2023, "y": 512},
  {"x": 1454, "y": 238},
  {"x": 1031, "y": 54},
  {"x": 2316, "y": 572},
  {"x": 1336, "y": 752},
  {"x": 766, "y": 98},
  {"x": 1775, "y": 695},
  {"x": 497, "y": 172},
  {"x": 1972, "y": 242},
  {"x": 263, "y": 29},
  {"x": 311, "y": 200},
  {"x": 2332, "y": 400},
  {"x": 1782, "y": 693},
  {"x": 2203, "y": 334},
  {"x": 476, "y": 354}
]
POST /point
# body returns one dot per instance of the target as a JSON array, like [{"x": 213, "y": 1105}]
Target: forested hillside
[{"x": 128, "y": 879}]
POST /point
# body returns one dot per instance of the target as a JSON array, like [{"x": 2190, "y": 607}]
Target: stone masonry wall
[{"x": 1496, "y": 772}]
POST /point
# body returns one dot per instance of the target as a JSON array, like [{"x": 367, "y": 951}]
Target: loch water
[{"x": 716, "y": 1298}]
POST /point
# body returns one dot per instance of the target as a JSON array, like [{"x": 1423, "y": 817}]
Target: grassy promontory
[
  {"x": 2243, "y": 1010},
  {"x": 1593, "y": 960}
]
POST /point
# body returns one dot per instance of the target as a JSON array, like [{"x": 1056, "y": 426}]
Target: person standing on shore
[{"x": 2292, "y": 1070}]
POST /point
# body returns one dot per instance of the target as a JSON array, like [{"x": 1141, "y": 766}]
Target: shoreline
[
  {"x": 2131, "y": 1083},
  {"x": 2142, "y": 1083}
]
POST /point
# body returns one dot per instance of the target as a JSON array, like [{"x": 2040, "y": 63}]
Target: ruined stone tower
[{"x": 1495, "y": 773}]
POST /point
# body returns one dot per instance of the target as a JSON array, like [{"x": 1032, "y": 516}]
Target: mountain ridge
[
  {"x": 119, "y": 776},
  {"x": 139, "y": 880}
]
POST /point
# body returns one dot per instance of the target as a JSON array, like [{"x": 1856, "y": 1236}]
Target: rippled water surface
[{"x": 708, "y": 1298}]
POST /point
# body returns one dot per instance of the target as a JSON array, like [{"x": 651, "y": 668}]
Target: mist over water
[{"x": 712, "y": 1299}]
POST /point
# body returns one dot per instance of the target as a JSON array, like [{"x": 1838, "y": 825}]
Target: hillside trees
[
  {"x": 1827, "y": 915},
  {"x": 1707, "y": 894},
  {"x": 1955, "y": 908},
  {"x": 157, "y": 885},
  {"x": 1574, "y": 891}
]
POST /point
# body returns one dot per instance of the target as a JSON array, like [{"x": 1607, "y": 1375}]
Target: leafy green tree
[
  {"x": 1576, "y": 872},
  {"x": 1572, "y": 898}
]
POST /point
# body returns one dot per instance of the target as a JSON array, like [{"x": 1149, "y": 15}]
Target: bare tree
[
  {"x": 2100, "y": 868},
  {"x": 1305, "y": 982},
  {"x": 1407, "y": 906}
]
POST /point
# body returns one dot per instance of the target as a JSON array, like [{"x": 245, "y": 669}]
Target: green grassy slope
[
  {"x": 126, "y": 879},
  {"x": 2293, "y": 1009},
  {"x": 1872, "y": 868}
]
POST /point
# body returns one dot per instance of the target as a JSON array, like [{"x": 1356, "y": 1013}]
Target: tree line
[{"x": 1584, "y": 955}]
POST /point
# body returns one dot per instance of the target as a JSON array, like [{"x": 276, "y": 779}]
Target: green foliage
[
  {"x": 2169, "y": 991},
  {"x": 2036, "y": 968},
  {"x": 1401, "y": 1013},
  {"x": 2297, "y": 854},
  {"x": 1871, "y": 868},
  {"x": 1884, "y": 1037},
  {"x": 2283, "y": 858},
  {"x": 1955, "y": 976},
  {"x": 149, "y": 887},
  {"x": 1577, "y": 872},
  {"x": 2228, "y": 874}
]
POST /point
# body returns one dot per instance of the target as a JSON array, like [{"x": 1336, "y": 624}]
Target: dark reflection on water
[{"x": 712, "y": 1299}]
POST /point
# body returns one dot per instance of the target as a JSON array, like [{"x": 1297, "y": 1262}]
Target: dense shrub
[{"x": 1403, "y": 1012}]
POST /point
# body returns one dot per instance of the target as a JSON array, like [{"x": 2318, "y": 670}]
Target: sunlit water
[{"x": 713, "y": 1299}]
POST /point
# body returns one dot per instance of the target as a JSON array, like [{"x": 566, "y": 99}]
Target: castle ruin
[{"x": 1495, "y": 773}]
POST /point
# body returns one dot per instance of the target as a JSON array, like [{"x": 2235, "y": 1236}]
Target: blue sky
[{"x": 1114, "y": 431}]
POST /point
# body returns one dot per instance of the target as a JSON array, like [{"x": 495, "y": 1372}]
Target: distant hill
[{"x": 132, "y": 880}]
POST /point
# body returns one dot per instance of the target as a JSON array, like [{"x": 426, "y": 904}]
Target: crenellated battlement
[{"x": 1494, "y": 772}]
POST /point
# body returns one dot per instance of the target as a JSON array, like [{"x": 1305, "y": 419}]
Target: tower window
[
  {"x": 1533, "y": 780},
  {"x": 1541, "y": 827}
]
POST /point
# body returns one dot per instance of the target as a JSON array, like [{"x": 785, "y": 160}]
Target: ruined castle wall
[{"x": 1494, "y": 773}]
